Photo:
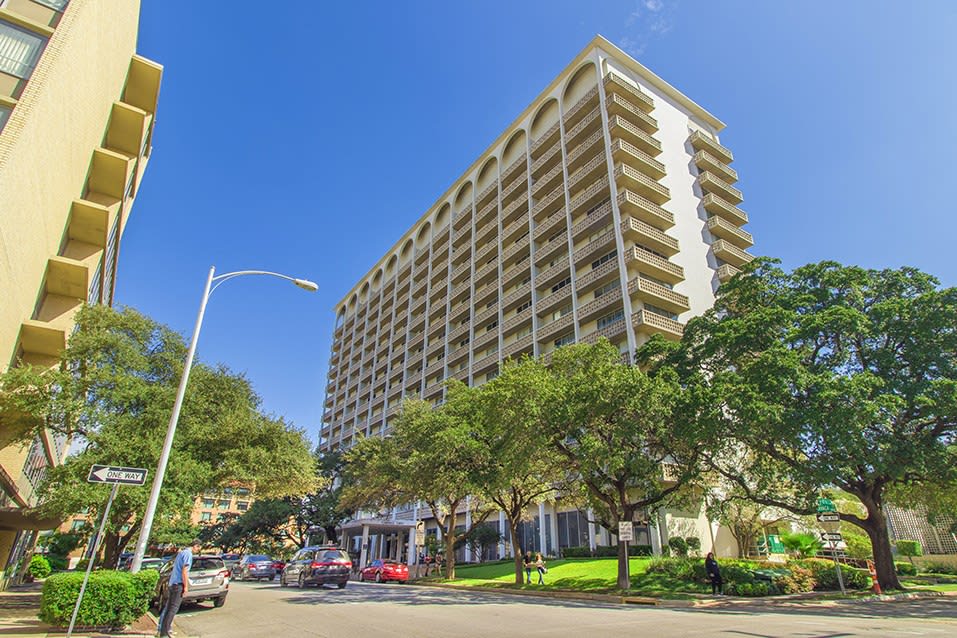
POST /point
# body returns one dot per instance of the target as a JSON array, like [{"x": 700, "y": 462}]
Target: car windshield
[
  {"x": 201, "y": 564},
  {"x": 258, "y": 557}
]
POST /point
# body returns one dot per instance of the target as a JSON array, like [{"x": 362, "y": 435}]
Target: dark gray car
[
  {"x": 255, "y": 566},
  {"x": 317, "y": 566}
]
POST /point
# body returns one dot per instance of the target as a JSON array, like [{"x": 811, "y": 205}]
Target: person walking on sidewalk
[
  {"x": 714, "y": 574},
  {"x": 528, "y": 568},
  {"x": 177, "y": 587}
]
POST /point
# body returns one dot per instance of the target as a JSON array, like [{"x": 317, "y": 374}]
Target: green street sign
[{"x": 825, "y": 505}]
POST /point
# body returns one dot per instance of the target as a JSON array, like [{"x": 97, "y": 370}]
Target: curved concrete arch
[
  {"x": 488, "y": 174},
  {"x": 544, "y": 118},
  {"x": 442, "y": 217},
  {"x": 514, "y": 148},
  {"x": 580, "y": 82},
  {"x": 422, "y": 238},
  {"x": 391, "y": 265},
  {"x": 377, "y": 279},
  {"x": 406, "y": 253},
  {"x": 464, "y": 197}
]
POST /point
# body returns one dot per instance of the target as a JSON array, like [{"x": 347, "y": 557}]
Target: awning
[{"x": 15, "y": 518}]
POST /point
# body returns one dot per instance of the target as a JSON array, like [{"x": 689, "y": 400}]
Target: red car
[
  {"x": 385, "y": 570},
  {"x": 279, "y": 565}
]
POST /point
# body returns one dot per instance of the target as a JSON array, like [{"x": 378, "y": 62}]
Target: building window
[
  {"x": 58, "y": 5},
  {"x": 242, "y": 491},
  {"x": 206, "y": 516},
  {"x": 208, "y": 502},
  {"x": 561, "y": 312},
  {"x": 242, "y": 506},
  {"x": 77, "y": 525},
  {"x": 661, "y": 312},
  {"x": 96, "y": 286},
  {"x": 524, "y": 332},
  {"x": 561, "y": 284},
  {"x": 607, "y": 320},
  {"x": 492, "y": 326},
  {"x": 611, "y": 286},
  {"x": 605, "y": 259},
  {"x": 19, "y": 50},
  {"x": 4, "y": 115},
  {"x": 565, "y": 340},
  {"x": 522, "y": 308},
  {"x": 223, "y": 505}
]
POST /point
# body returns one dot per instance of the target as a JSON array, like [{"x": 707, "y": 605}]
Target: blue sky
[{"x": 305, "y": 137}]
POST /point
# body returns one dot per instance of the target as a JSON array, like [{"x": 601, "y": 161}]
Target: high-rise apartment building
[
  {"x": 607, "y": 209},
  {"x": 76, "y": 120}
]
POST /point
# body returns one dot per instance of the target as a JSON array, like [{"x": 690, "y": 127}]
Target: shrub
[
  {"x": 603, "y": 551},
  {"x": 58, "y": 563},
  {"x": 678, "y": 545},
  {"x": 940, "y": 568},
  {"x": 825, "y": 576},
  {"x": 798, "y": 580},
  {"x": 909, "y": 549},
  {"x": 677, "y": 568},
  {"x": 112, "y": 599},
  {"x": 905, "y": 569},
  {"x": 39, "y": 566},
  {"x": 694, "y": 543},
  {"x": 82, "y": 564},
  {"x": 803, "y": 544},
  {"x": 753, "y": 590}
]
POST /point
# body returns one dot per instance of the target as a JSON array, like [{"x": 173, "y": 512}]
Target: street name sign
[
  {"x": 825, "y": 505},
  {"x": 625, "y": 531},
  {"x": 122, "y": 475}
]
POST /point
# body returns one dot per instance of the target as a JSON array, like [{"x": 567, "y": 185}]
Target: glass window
[
  {"x": 206, "y": 516},
  {"x": 59, "y": 5},
  {"x": 242, "y": 506},
  {"x": 564, "y": 341},
  {"x": 223, "y": 505},
  {"x": 19, "y": 50},
  {"x": 4, "y": 115},
  {"x": 607, "y": 320}
]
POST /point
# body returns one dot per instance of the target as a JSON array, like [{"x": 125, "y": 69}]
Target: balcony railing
[
  {"x": 652, "y": 264},
  {"x": 708, "y": 162},
  {"x": 595, "y": 219},
  {"x": 545, "y": 227},
  {"x": 726, "y": 272},
  {"x": 622, "y": 128},
  {"x": 720, "y": 227},
  {"x": 630, "y": 177},
  {"x": 580, "y": 153},
  {"x": 649, "y": 235},
  {"x": 590, "y": 196},
  {"x": 728, "y": 252},
  {"x": 700, "y": 141},
  {"x": 595, "y": 248},
  {"x": 711, "y": 183},
  {"x": 717, "y": 206},
  {"x": 517, "y": 346},
  {"x": 658, "y": 295},
  {"x": 545, "y": 138},
  {"x": 614, "y": 79},
  {"x": 652, "y": 322},
  {"x": 635, "y": 157},
  {"x": 619, "y": 105}
]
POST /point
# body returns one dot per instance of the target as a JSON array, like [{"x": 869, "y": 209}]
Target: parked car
[
  {"x": 381, "y": 571},
  {"x": 148, "y": 563},
  {"x": 208, "y": 580},
  {"x": 255, "y": 566},
  {"x": 317, "y": 566},
  {"x": 279, "y": 565},
  {"x": 231, "y": 560}
]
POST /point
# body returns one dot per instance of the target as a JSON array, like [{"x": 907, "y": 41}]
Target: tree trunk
[
  {"x": 876, "y": 529},
  {"x": 450, "y": 538},
  {"x": 516, "y": 553},
  {"x": 624, "y": 579}
]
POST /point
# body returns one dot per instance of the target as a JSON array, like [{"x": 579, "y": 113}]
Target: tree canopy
[
  {"x": 826, "y": 377},
  {"x": 113, "y": 394}
]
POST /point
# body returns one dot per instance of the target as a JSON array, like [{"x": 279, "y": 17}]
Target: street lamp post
[{"x": 181, "y": 392}]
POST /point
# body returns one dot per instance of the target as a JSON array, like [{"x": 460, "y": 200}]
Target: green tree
[
  {"x": 827, "y": 377},
  {"x": 802, "y": 544},
  {"x": 113, "y": 394},
  {"x": 526, "y": 469},
  {"x": 616, "y": 429},
  {"x": 909, "y": 549},
  {"x": 434, "y": 455}
]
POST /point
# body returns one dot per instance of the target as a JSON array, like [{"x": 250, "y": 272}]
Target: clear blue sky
[{"x": 305, "y": 137}]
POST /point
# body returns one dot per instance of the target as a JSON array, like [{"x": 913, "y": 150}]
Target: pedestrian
[
  {"x": 540, "y": 566},
  {"x": 177, "y": 587},
  {"x": 528, "y": 568},
  {"x": 714, "y": 574}
]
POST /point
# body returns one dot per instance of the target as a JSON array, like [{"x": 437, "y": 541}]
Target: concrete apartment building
[
  {"x": 606, "y": 209},
  {"x": 76, "y": 121}
]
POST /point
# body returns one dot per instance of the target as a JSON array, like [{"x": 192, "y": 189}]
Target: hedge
[
  {"x": 112, "y": 599},
  {"x": 905, "y": 569},
  {"x": 39, "y": 566},
  {"x": 825, "y": 576},
  {"x": 604, "y": 551}
]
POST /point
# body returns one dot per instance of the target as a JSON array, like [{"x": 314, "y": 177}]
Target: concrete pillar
[
  {"x": 469, "y": 552},
  {"x": 364, "y": 548},
  {"x": 554, "y": 530},
  {"x": 413, "y": 550},
  {"x": 503, "y": 547},
  {"x": 541, "y": 527},
  {"x": 592, "y": 540}
]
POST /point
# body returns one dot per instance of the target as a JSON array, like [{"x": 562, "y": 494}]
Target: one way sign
[{"x": 110, "y": 474}]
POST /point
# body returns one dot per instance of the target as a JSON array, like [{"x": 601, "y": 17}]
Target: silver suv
[
  {"x": 317, "y": 566},
  {"x": 208, "y": 580}
]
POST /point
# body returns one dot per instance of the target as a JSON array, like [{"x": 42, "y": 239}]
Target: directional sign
[
  {"x": 420, "y": 533},
  {"x": 833, "y": 537},
  {"x": 826, "y": 505},
  {"x": 829, "y": 517},
  {"x": 625, "y": 531},
  {"x": 110, "y": 474}
]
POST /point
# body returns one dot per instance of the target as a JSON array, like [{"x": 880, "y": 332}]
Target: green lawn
[{"x": 595, "y": 575}]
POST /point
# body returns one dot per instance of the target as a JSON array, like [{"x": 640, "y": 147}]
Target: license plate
[{"x": 200, "y": 581}]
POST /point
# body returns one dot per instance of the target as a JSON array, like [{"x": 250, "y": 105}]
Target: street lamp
[{"x": 305, "y": 284}]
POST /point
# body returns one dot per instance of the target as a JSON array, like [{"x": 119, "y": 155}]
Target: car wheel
[
  {"x": 219, "y": 601},
  {"x": 302, "y": 581},
  {"x": 378, "y": 577},
  {"x": 341, "y": 585}
]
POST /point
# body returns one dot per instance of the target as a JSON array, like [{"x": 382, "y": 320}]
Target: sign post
[
  {"x": 419, "y": 542},
  {"x": 116, "y": 476},
  {"x": 830, "y": 520},
  {"x": 626, "y": 534}
]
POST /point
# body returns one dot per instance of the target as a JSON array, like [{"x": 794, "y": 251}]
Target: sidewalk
[{"x": 20, "y": 604}]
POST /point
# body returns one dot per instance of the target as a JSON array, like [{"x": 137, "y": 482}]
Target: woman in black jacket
[{"x": 714, "y": 574}]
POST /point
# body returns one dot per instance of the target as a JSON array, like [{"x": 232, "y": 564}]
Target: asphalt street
[{"x": 362, "y": 610}]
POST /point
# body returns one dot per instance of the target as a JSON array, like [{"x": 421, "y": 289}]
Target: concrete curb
[{"x": 700, "y": 601}]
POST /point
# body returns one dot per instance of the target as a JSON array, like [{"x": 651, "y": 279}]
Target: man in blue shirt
[{"x": 177, "y": 587}]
